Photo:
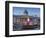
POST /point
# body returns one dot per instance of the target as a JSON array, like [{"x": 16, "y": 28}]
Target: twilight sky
[{"x": 31, "y": 11}]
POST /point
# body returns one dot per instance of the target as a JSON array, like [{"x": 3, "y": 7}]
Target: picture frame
[{"x": 13, "y": 8}]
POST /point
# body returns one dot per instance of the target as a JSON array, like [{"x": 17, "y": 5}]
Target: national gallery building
[{"x": 25, "y": 22}]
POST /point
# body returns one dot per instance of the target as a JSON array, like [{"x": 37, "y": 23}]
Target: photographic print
[{"x": 24, "y": 18}]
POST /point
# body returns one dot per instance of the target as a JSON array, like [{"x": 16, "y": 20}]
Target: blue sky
[{"x": 31, "y": 11}]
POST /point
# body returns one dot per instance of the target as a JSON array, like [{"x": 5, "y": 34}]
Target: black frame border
[{"x": 7, "y": 18}]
